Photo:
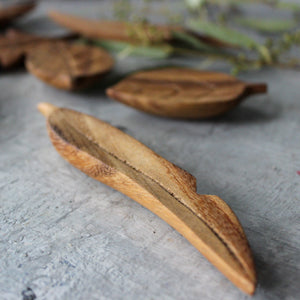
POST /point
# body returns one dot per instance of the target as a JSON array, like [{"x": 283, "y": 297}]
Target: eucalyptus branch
[{"x": 213, "y": 18}]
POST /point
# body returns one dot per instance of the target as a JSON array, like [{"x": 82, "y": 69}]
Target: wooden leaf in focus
[
  {"x": 118, "y": 160},
  {"x": 182, "y": 92},
  {"x": 11, "y": 11},
  {"x": 68, "y": 65}
]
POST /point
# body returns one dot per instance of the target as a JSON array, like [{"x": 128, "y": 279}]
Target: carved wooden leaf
[
  {"x": 124, "y": 31},
  {"x": 67, "y": 65},
  {"x": 15, "y": 44},
  {"x": 11, "y": 11},
  {"x": 106, "y": 29},
  {"x": 118, "y": 160},
  {"x": 182, "y": 93}
]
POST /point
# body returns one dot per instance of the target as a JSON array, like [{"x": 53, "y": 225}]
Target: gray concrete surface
[{"x": 65, "y": 236}]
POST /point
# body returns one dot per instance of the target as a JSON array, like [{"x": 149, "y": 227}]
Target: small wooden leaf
[
  {"x": 67, "y": 65},
  {"x": 118, "y": 160},
  {"x": 11, "y": 11},
  {"x": 15, "y": 44},
  {"x": 182, "y": 93},
  {"x": 110, "y": 30},
  {"x": 127, "y": 32}
]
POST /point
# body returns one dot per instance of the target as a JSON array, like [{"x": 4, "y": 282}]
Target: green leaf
[
  {"x": 191, "y": 41},
  {"x": 267, "y": 25},
  {"x": 294, "y": 7},
  {"x": 194, "y": 4},
  {"x": 131, "y": 49},
  {"x": 223, "y": 33}
]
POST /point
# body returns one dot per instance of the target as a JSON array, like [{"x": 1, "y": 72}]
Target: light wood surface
[
  {"x": 182, "y": 92},
  {"x": 107, "y": 154}
]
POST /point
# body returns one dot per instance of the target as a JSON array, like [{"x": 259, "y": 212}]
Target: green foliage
[
  {"x": 214, "y": 19},
  {"x": 223, "y": 33},
  {"x": 294, "y": 7},
  {"x": 124, "y": 49},
  {"x": 122, "y": 9},
  {"x": 267, "y": 25},
  {"x": 191, "y": 41}
]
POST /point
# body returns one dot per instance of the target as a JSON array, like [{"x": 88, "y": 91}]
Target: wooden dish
[{"x": 183, "y": 93}]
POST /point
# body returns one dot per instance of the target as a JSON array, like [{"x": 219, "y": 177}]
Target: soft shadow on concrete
[
  {"x": 239, "y": 115},
  {"x": 248, "y": 114}
]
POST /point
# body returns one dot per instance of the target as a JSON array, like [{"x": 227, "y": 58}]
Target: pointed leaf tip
[{"x": 46, "y": 109}]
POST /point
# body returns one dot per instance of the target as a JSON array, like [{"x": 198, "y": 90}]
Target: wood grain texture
[
  {"x": 182, "y": 92},
  {"x": 67, "y": 65},
  {"x": 110, "y": 30},
  {"x": 108, "y": 155},
  {"x": 10, "y": 12}
]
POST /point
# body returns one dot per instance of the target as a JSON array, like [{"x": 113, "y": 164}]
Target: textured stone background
[{"x": 66, "y": 236}]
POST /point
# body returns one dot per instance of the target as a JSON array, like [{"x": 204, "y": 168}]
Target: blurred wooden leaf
[
  {"x": 223, "y": 33},
  {"x": 182, "y": 92},
  {"x": 111, "y": 30},
  {"x": 67, "y": 65},
  {"x": 9, "y": 12},
  {"x": 267, "y": 25}
]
